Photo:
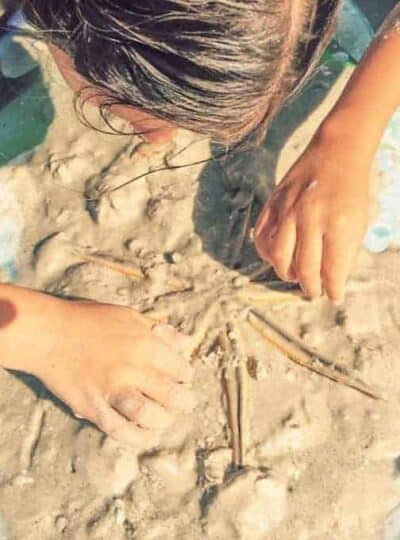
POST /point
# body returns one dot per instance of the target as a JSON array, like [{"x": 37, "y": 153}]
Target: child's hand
[
  {"x": 111, "y": 368},
  {"x": 312, "y": 226}
]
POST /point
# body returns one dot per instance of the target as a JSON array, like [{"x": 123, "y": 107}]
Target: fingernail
[
  {"x": 305, "y": 292},
  {"x": 312, "y": 295}
]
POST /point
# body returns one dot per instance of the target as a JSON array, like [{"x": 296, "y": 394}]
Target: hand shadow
[
  {"x": 224, "y": 184},
  {"x": 43, "y": 393}
]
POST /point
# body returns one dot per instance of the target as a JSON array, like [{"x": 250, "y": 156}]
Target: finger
[
  {"x": 162, "y": 389},
  {"x": 338, "y": 257},
  {"x": 282, "y": 249},
  {"x": 292, "y": 276},
  {"x": 164, "y": 358},
  {"x": 163, "y": 350},
  {"x": 287, "y": 196},
  {"x": 275, "y": 213},
  {"x": 266, "y": 220},
  {"x": 119, "y": 428},
  {"x": 172, "y": 337},
  {"x": 308, "y": 258},
  {"x": 264, "y": 235},
  {"x": 263, "y": 219},
  {"x": 141, "y": 410}
]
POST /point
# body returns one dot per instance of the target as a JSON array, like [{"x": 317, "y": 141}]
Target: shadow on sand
[{"x": 223, "y": 185}]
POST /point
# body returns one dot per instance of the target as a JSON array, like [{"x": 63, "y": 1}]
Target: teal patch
[
  {"x": 26, "y": 110},
  {"x": 26, "y": 113}
]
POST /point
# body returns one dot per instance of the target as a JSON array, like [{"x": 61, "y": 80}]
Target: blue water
[{"x": 384, "y": 232}]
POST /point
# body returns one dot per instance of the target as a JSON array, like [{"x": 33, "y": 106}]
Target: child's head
[{"x": 219, "y": 67}]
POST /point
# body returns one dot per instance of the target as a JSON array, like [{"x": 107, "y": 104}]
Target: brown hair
[{"x": 223, "y": 68}]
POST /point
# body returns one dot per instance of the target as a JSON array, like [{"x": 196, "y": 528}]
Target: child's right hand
[
  {"x": 311, "y": 228},
  {"x": 111, "y": 368}
]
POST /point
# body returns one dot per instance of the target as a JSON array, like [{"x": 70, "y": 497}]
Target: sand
[{"x": 323, "y": 459}]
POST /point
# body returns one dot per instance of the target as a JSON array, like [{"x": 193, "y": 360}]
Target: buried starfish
[{"x": 228, "y": 307}]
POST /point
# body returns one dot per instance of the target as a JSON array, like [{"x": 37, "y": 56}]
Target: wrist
[
  {"x": 354, "y": 131},
  {"x": 32, "y": 329}
]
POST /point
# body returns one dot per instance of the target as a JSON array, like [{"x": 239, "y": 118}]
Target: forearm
[
  {"x": 24, "y": 327},
  {"x": 373, "y": 92}
]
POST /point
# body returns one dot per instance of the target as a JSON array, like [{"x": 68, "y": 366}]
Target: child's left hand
[{"x": 313, "y": 224}]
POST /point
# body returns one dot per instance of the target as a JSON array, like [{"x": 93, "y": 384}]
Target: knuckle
[
  {"x": 310, "y": 194},
  {"x": 340, "y": 220},
  {"x": 147, "y": 349},
  {"x": 307, "y": 213},
  {"x": 130, "y": 403}
]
